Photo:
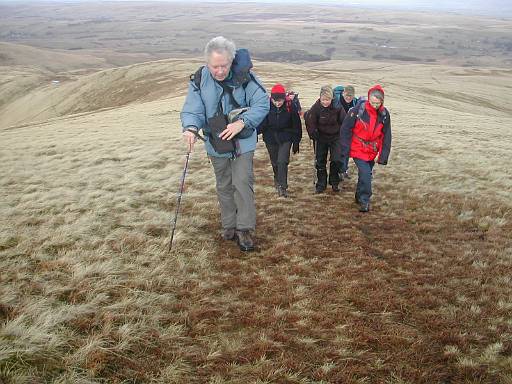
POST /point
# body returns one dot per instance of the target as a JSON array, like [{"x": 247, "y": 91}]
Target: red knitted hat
[{"x": 278, "y": 92}]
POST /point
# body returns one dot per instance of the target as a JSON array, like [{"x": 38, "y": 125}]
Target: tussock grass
[{"x": 417, "y": 291}]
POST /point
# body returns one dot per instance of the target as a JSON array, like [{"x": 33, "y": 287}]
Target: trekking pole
[
  {"x": 180, "y": 193},
  {"x": 182, "y": 184}
]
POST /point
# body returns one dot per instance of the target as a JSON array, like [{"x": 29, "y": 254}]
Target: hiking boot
[
  {"x": 335, "y": 188},
  {"x": 245, "y": 241},
  {"x": 364, "y": 207},
  {"x": 283, "y": 192},
  {"x": 228, "y": 234},
  {"x": 319, "y": 189}
]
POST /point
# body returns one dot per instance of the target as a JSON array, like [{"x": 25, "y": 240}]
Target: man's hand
[
  {"x": 190, "y": 139},
  {"x": 232, "y": 130},
  {"x": 295, "y": 148}
]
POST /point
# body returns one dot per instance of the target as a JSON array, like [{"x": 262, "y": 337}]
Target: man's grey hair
[
  {"x": 378, "y": 94},
  {"x": 220, "y": 44}
]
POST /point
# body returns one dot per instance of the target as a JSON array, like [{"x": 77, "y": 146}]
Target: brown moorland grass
[{"x": 417, "y": 291}]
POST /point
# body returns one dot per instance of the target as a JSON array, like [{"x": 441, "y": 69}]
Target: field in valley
[{"x": 121, "y": 33}]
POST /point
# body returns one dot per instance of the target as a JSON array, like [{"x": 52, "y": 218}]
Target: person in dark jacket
[
  {"x": 282, "y": 131},
  {"x": 366, "y": 133},
  {"x": 347, "y": 101},
  {"x": 323, "y": 124}
]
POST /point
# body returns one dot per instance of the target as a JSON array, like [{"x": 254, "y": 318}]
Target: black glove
[{"x": 295, "y": 148}]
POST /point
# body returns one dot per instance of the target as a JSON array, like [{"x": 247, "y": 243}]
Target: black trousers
[
  {"x": 280, "y": 157},
  {"x": 322, "y": 148}
]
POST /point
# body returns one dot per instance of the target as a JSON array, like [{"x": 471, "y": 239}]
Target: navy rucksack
[{"x": 240, "y": 68}]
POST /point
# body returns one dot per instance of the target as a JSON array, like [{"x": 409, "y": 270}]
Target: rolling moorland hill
[
  {"x": 128, "y": 32},
  {"x": 417, "y": 291},
  {"x": 29, "y": 94}
]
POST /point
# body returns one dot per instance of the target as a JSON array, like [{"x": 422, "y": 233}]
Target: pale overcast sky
[{"x": 497, "y": 8}]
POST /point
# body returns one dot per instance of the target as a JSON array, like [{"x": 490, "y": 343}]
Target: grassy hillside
[
  {"x": 73, "y": 94},
  {"x": 50, "y": 60},
  {"x": 417, "y": 291}
]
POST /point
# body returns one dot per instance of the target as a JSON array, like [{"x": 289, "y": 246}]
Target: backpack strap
[
  {"x": 229, "y": 91},
  {"x": 256, "y": 81},
  {"x": 360, "y": 109},
  {"x": 196, "y": 77}
]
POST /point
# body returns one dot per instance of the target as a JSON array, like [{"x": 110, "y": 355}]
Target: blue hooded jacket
[{"x": 202, "y": 103}]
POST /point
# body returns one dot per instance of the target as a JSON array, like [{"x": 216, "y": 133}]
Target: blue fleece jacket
[{"x": 202, "y": 103}]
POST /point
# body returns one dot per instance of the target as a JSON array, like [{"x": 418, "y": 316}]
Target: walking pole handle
[{"x": 196, "y": 134}]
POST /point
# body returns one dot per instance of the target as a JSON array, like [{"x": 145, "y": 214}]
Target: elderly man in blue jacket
[{"x": 226, "y": 85}]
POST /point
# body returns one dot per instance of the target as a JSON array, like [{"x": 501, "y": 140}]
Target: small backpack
[
  {"x": 292, "y": 102},
  {"x": 338, "y": 92}
]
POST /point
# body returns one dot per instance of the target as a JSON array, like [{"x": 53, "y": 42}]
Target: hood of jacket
[{"x": 376, "y": 87}]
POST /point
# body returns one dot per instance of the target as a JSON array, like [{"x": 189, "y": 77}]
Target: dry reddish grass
[
  {"x": 417, "y": 296},
  {"x": 417, "y": 291}
]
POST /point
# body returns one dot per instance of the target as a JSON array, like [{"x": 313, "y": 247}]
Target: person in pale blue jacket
[{"x": 228, "y": 102}]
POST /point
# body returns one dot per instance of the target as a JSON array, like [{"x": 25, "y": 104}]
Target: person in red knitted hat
[
  {"x": 282, "y": 131},
  {"x": 278, "y": 92}
]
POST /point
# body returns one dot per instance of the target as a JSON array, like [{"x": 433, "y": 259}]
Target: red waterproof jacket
[{"x": 366, "y": 132}]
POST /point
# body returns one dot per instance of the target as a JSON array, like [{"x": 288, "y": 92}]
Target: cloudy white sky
[{"x": 497, "y": 8}]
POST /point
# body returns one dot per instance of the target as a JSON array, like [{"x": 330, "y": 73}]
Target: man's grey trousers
[{"x": 235, "y": 191}]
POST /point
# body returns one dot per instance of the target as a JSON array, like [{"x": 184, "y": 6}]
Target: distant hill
[
  {"x": 29, "y": 95},
  {"x": 51, "y": 60},
  {"x": 35, "y": 95},
  {"x": 129, "y": 32}
]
